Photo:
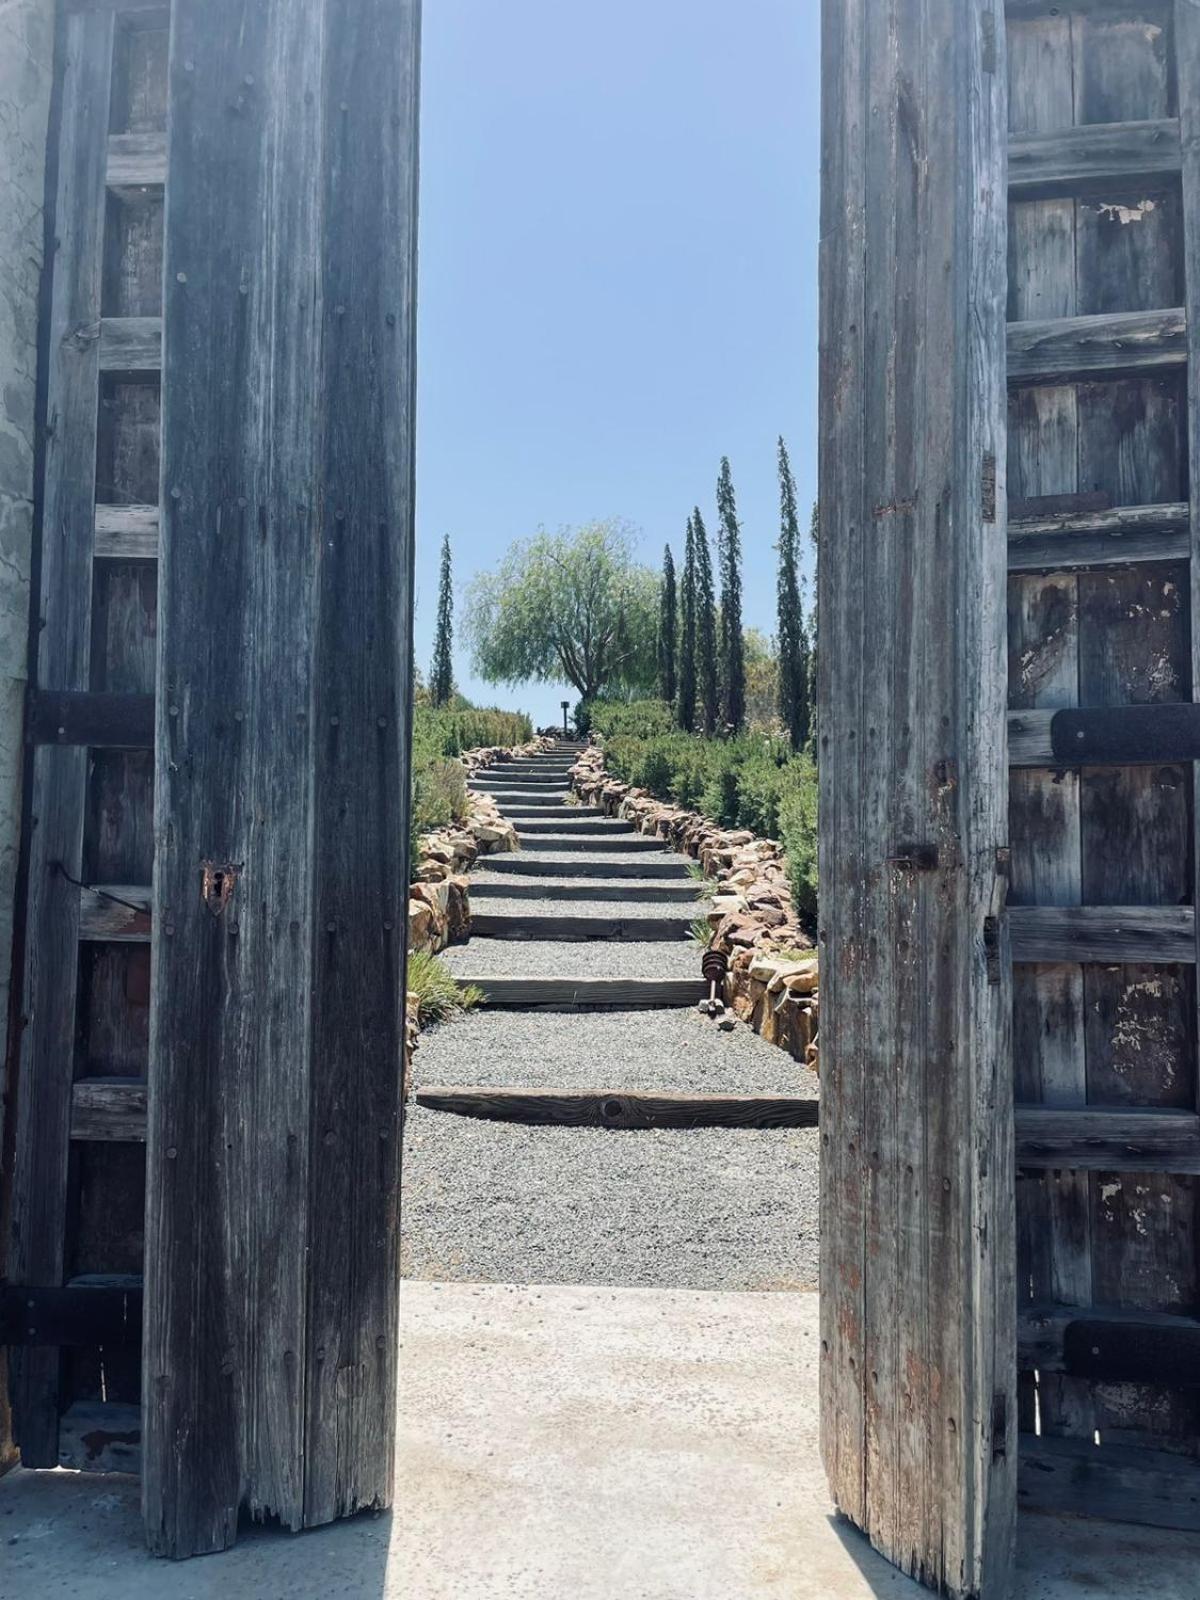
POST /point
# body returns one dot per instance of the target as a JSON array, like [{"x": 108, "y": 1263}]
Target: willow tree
[{"x": 573, "y": 605}]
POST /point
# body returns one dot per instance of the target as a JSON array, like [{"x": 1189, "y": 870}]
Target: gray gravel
[
  {"x": 597, "y": 958},
  {"x": 695, "y": 1209},
  {"x": 630, "y": 910},
  {"x": 631, "y": 886},
  {"x": 674, "y": 1050},
  {"x": 551, "y": 858}
]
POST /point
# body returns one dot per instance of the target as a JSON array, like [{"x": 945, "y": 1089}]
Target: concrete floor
[{"x": 572, "y": 1444}]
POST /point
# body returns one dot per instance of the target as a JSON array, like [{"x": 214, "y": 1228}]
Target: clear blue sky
[{"x": 617, "y": 283}]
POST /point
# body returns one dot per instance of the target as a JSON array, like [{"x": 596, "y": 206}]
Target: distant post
[
  {"x": 566, "y": 706},
  {"x": 918, "y": 1296},
  {"x": 282, "y": 776}
]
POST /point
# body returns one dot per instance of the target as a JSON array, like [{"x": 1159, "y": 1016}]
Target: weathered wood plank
[
  {"x": 917, "y": 1314},
  {"x": 137, "y": 160},
  {"x": 529, "y": 864},
  {"x": 1107, "y": 1139},
  {"x": 658, "y": 893},
  {"x": 1113, "y": 343},
  {"x": 1117, "y": 537},
  {"x": 569, "y": 843},
  {"x": 109, "y": 1108},
  {"x": 1077, "y": 1477},
  {"x": 578, "y": 929},
  {"x": 62, "y": 647},
  {"x": 1103, "y": 933},
  {"x": 127, "y": 533},
  {"x": 115, "y": 911},
  {"x": 596, "y": 994},
  {"x": 1072, "y": 159},
  {"x": 621, "y": 1108},
  {"x": 1141, "y": 1340},
  {"x": 1119, "y": 735},
  {"x": 130, "y": 344},
  {"x": 273, "y": 1144}
]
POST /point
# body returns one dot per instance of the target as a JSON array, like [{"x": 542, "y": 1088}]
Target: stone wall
[{"x": 772, "y": 981}]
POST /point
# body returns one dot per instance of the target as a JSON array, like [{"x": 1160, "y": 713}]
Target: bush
[
  {"x": 439, "y": 996},
  {"x": 439, "y": 783},
  {"x": 635, "y": 719},
  {"x": 752, "y": 782}
]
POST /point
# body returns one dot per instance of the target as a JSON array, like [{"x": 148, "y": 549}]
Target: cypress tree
[
  {"x": 667, "y": 630},
  {"x": 706, "y": 630},
  {"x": 441, "y": 673},
  {"x": 794, "y": 698},
  {"x": 685, "y": 705},
  {"x": 733, "y": 645}
]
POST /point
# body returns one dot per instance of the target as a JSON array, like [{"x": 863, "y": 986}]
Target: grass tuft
[{"x": 439, "y": 995}]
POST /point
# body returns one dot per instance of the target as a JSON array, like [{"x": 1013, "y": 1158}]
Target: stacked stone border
[
  {"x": 439, "y": 899},
  {"x": 772, "y": 982}
]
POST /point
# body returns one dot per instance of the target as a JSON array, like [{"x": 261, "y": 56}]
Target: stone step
[
  {"x": 621, "y": 1108},
  {"x": 577, "y": 930},
  {"x": 625, "y": 893},
  {"x": 631, "y": 844},
  {"x": 526, "y": 864},
  {"x": 584, "y": 994}
]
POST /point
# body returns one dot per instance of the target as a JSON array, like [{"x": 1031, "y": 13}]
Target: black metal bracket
[
  {"x": 80, "y": 1314},
  {"x": 79, "y": 717},
  {"x": 1126, "y": 735},
  {"x": 1132, "y": 1352}
]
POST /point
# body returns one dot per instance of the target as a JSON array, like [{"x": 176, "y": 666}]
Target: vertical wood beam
[
  {"x": 917, "y": 1205},
  {"x": 62, "y": 646},
  {"x": 281, "y": 808}
]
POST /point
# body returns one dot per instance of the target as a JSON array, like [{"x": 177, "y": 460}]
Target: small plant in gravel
[
  {"x": 439, "y": 995},
  {"x": 705, "y": 887},
  {"x": 701, "y": 932}
]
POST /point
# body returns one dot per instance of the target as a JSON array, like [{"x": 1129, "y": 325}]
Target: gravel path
[
  {"x": 551, "y": 858},
  {"x": 630, "y": 909},
  {"x": 698, "y": 1209},
  {"x": 629, "y": 887},
  {"x": 529, "y": 958},
  {"x": 675, "y": 1049}
]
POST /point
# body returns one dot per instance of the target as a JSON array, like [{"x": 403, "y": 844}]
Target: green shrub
[
  {"x": 636, "y": 719},
  {"x": 798, "y": 835},
  {"x": 439, "y": 995},
  {"x": 439, "y": 782}
]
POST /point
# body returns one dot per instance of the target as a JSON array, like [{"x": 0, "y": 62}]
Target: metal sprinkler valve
[{"x": 714, "y": 965}]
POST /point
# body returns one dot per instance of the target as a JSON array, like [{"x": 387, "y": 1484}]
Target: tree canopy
[{"x": 573, "y": 605}]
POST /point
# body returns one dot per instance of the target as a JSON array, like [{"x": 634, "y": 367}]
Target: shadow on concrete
[{"x": 878, "y": 1576}]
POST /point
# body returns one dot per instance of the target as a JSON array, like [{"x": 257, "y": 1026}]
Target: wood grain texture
[
  {"x": 1103, "y": 933},
  {"x": 1116, "y": 537},
  {"x": 130, "y": 344},
  {"x": 1076, "y": 1477},
  {"x": 127, "y": 532},
  {"x": 594, "y": 994},
  {"x": 273, "y": 1145},
  {"x": 579, "y": 929},
  {"x": 1108, "y": 1140},
  {"x": 62, "y": 648},
  {"x": 1072, "y": 159},
  {"x": 918, "y": 1297},
  {"x": 137, "y": 160},
  {"x": 621, "y": 1108},
  {"x": 1119, "y": 342},
  {"x": 110, "y": 1109}
]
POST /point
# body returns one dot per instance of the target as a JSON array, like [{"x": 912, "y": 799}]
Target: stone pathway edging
[{"x": 752, "y": 917}]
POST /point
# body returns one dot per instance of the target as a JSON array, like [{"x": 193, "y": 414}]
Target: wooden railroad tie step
[
  {"x": 622, "y": 1108},
  {"x": 542, "y": 802},
  {"x": 623, "y": 893},
  {"x": 622, "y": 845},
  {"x": 579, "y": 929},
  {"x": 527, "y": 864},
  {"x": 587, "y": 827},
  {"x": 584, "y": 994},
  {"x": 548, "y": 810}
]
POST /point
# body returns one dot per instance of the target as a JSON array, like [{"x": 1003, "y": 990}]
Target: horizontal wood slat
[
  {"x": 93, "y": 1310},
  {"x": 1109, "y": 538},
  {"x": 83, "y": 717},
  {"x": 1070, "y": 160},
  {"x": 1081, "y": 347},
  {"x": 136, "y": 161},
  {"x": 622, "y": 1108},
  {"x": 130, "y": 344},
  {"x": 1103, "y": 1139},
  {"x": 1156, "y": 1487},
  {"x": 126, "y": 533},
  {"x": 1151, "y": 934},
  {"x": 119, "y": 912},
  {"x": 109, "y": 1109}
]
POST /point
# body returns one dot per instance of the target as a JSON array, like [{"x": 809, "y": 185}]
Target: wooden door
[
  {"x": 1104, "y": 452},
  {"x": 917, "y": 1235}
]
